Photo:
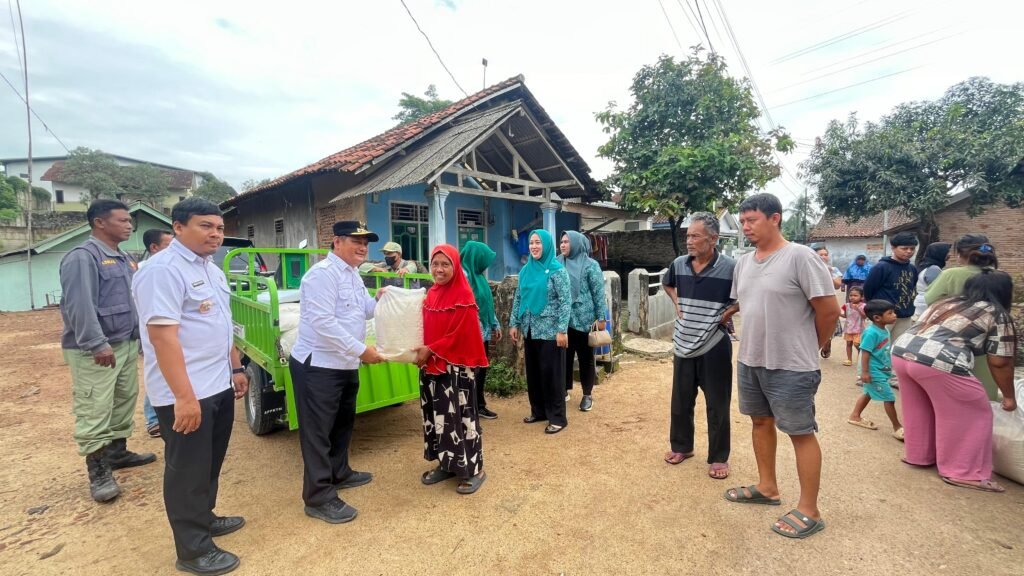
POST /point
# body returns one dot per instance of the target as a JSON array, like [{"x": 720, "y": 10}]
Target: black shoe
[
  {"x": 118, "y": 456},
  {"x": 214, "y": 562},
  {"x": 102, "y": 485},
  {"x": 355, "y": 479},
  {"x": 333, "y": 512},
  {"x": 222, "y": 525},
  {"x": 587, "y": 404},
  {"x": 485, "y": 413}
]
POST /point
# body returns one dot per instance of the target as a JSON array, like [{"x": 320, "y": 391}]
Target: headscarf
[
  {"x": 577, "y": 261},
  {"x": 934, "y": 255},
  {"x": 450, "y": 327},
  {"x": 476, "y": 259},
  {"x": 533, "y": 278},
  {"x": 857, "y": 272}
]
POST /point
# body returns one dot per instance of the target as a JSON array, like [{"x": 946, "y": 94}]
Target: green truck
[{"x": 257, "y": 311}]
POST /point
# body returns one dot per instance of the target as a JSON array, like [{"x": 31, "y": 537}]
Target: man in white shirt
[
  {"x": 334, "y": 306},
  {"x": 191, "y": 366}
]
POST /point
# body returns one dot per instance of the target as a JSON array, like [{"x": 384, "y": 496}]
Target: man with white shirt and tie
[{"x": 334, "y": 306}]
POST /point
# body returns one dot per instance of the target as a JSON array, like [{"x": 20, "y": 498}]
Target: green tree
[
  {"x": 214, "y": 189},
  {"x": 252, "y": 183},
  {"x": 94, "y": 170},
  {"x": 9, "y": 208},
  {"x": 802, "y": 218},
  {"x": 689, "y": 140},
  {"x": 413, "y": 107},
  {"x": 20, "y": 188},
  {"x": 144, "y": 182},
  {"x": 917, "y": 156}
]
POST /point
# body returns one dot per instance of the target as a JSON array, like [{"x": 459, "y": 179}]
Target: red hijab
[{"x": 451, "y": 327}]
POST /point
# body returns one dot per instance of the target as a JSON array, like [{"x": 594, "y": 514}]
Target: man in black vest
[{"x": 101, "y": 345}]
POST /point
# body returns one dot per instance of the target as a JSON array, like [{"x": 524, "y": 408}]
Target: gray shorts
[{"x": 785, "y": 395}]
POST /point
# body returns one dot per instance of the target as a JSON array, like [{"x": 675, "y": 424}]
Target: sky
[{"x": 252, "y": 90}]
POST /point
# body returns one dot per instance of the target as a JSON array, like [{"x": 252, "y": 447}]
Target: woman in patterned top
[
  {"x": 588, "y": 308},
  {"x": 945, "y": 409},
  {"x": 541, "y": 310}
]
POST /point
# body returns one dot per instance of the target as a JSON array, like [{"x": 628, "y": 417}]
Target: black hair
[
  {"x": 184, "y": 211},
  {"x": 153, "y": 236},
  {"x": 877, "y": 307},
  {"x": 100, "y": 209},
  {"x": 992, "y": 286},
  {"x": 765, "y": 203},
  {"x": 977, "y": 251},
  {"x": 856, "y": 289}
]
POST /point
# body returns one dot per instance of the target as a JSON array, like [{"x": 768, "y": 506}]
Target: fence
[{"x": 651, "y": 312}]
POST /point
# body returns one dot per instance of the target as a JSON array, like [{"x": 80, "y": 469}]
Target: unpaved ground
[{"x": 595, "y": 499}]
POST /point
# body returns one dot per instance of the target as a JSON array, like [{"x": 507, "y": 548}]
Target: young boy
[
  {"x": 853, "y": 311},
  {"x": 876, "y": 366}
]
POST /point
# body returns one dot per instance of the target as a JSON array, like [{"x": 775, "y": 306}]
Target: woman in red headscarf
[{"x": 453, "y": 348}]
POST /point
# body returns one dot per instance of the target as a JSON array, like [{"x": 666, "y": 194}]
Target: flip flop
[
  {"x": 810, "y": 526},
  {"x": 755, "y": 496},
  {"x": 981, "y": 486},
  {"x": 868, "y": 424},
  {"x": 716, "y": 467},
  {"x": 847, "y": 363},
  {"x": 553, "y": 429},
  {"x": 904, "y": 460},
  {"x": 471, "y": 485},
  {"x": 153, "y": 430},
  {"x": 898, "y": 435},
  {"x": 436, "y": 475},
  {"x": 674, "y": 458}
]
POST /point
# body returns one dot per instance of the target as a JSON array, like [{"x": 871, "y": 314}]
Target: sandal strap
[{"x": 808, "y": 522}]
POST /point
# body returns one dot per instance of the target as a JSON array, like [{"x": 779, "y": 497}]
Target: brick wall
[
  {"x": 1004, "y": 227},
  {"x": 345, "y": 209}
]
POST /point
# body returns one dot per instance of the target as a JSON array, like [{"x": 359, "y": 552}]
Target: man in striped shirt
[{"x": 700, "y": 283}]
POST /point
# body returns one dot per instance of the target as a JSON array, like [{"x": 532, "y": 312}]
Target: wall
[
  {"x": 1004, "y": 227},
  {"x": 842, "y": 251},
  {"x": 652, "y": 314},
  {"x": 292, "y": 204}
]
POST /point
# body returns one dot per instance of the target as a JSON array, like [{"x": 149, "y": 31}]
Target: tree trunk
[
  {"x": 927, "y": 233},
  {"x": 674, "y": 225}
]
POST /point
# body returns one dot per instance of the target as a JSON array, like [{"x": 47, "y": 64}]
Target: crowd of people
[{"x": 176, "y": 308}]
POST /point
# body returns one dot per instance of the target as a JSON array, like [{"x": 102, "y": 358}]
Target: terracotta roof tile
[{"x": 866, "y": 227}]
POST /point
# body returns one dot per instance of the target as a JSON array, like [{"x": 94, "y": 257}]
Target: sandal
[
  {"x": 153, "y": 430},
  {"x": 553, "y": 429},
  {"x": 826, "y": 350},
  {"x": 718, "y": 467},
  {"x": 904, "y": 460},
  {"x": 847, "y": 362},
  {"x": 868, "y": 424},
  {"x": 980, "y": 485},
  {"x": 898, "y": 434},
  {"x": 436, "y": 475},
  {"x": 531, "y": 419},
  {"x": 471, "y": 485},
  {"x": 755, "y": 496},
  {"x": 677, "y": 457},
  {"x": 810, "y": 526}
]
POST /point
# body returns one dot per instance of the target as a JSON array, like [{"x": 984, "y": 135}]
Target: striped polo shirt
[{"x": 702, "y": 298}]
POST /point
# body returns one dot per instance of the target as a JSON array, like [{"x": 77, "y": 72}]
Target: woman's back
[{"x": 950, "y": 334}]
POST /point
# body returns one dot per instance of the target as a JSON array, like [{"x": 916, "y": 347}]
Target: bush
[{"x": 503, "y": 380}]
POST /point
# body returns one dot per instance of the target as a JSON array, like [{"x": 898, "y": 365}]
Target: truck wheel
[{"x": 263, "y": 406}]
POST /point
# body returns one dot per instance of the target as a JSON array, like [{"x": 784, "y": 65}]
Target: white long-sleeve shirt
[{"x": 334, "y": 306}]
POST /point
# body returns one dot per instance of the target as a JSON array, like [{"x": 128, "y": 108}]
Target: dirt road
[{"x": 595, "y": 499}]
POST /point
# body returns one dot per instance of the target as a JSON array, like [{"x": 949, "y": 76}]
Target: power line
[
  {"x": 703, "y": 26},
  {"x": 714, "y": 25},
  {"x": 848, "y": 87},
  {"x": 688, "y": 13},
  {"x": 886, "y": 47},
  {"x": 434, "y": 50},
  {"x": 34, "y": 113},
  {"x": 671, "y": 27},
  {"x": 845, "y": 36}
]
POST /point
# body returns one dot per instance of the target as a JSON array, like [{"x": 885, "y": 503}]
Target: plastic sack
[
  {"x": 290, "y": 332},
  {"x": 399, "y": 323},
  {"x": 288, "y": 317},
  {"x": 1008, "y": 439}
]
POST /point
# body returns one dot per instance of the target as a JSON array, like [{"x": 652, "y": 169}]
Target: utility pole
[
  {"x": 484, "y": 62},
  {"x": 28, "y": 117}
]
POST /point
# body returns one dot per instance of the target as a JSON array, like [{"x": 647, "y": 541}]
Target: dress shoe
[
  {"x": 212, "y": 563},
  {"x": 333, "y": 512},
  {"x": 355, "y": 479},
  {"x": 222, "y": 525},
  {"x": 118, "y": 456}
]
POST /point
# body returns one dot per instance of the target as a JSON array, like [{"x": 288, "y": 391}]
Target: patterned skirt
[{"x": 451, "y": 426}]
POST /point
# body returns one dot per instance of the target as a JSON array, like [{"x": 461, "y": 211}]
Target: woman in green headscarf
[
  {"x": 541, "y": 310},
  {"x": 588, "y": 307},
  {"x": 477, "y": 257}
]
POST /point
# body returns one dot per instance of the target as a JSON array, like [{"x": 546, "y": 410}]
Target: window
[
  {"x": 250, "y": 232},
  {"x": 632, "y": 226},
  {"x": 279, "y": 233},
  {"x": 409, "y": 227},
  {"x": 60, "y": 196},
  {"x": 471, "y": 226}
]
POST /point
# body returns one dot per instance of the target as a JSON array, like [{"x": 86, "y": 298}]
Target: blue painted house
[{"x": 490, "y": 168}]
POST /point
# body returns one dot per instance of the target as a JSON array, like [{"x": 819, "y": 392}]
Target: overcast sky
[{"x": 254, "y": 90}]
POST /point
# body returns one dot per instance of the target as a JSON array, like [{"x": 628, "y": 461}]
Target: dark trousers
[
  {"x": 481, "y": 379},
  {"x": 545, "y": 380},
  {"x": 579, "y": 347},
  {"x": 192, "y": 465},
  {"x": 325, "y": 401},
  {"x": 712, "y": 373}
]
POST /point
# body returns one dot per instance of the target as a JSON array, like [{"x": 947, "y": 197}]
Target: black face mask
[{"x": 390, "y": 260}]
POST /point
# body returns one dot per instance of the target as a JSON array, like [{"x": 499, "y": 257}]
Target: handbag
[{"x": 597, "y": 338}]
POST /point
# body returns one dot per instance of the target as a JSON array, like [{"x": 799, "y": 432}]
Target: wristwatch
[{"x": 238, "y": 370}]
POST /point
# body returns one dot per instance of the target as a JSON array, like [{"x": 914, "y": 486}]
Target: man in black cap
[
  {"x": 324, "y": 363},
  {"x": 894, "y": 278}
]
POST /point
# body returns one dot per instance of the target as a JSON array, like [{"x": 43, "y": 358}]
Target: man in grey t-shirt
[{"x": 786, "y": 297}]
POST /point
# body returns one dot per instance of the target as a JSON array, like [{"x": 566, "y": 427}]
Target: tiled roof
[
  {"x": 866, "y": 227},
  {"x": 180, "y": 179}
]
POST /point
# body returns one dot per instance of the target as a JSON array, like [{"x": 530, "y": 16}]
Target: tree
[
  {"x": 414, "y": 107},
  {"x": 20, "y": 188},
  {"x": 916, "y": 157},
  {"x": 9, "y": 208},
  {"x": 144, "y": 182},
  {"x": 94, "y": 170},
  {"x": 252, "y": 183},
  {"x": 214, "y": 189},
  {"x": 689, "y": 141},
  {"x": 802, "y": 218}
]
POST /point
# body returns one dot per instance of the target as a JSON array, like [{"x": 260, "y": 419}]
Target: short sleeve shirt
[
  {"x": 951, "y": 344},
  {"x": 854, "y": 321},
  {"x": 777, "y": 318},
  {"x": 178, "y": 286},
  {"x": 875, "y": 342},
  {"x": 702, "y": 298}
]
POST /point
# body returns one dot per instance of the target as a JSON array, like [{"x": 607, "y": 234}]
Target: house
[
  {"x": 846, "y": 238},
  {"x": 48, "y": 173},
  {"x": 490, "y": 167},
  {"x": 597, "y": 224},
  {"x": 729, "y": 226},
  {"x": 46, "y": 257}
]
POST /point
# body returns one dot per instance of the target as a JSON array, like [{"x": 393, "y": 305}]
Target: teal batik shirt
[
  {"x": 589, "y": 307},
  {"x": 554, "y": 318}
]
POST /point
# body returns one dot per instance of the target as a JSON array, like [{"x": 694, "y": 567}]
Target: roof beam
[
  {"x": 488, "y": 194},
  {"x": 515, "y": 154}
]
